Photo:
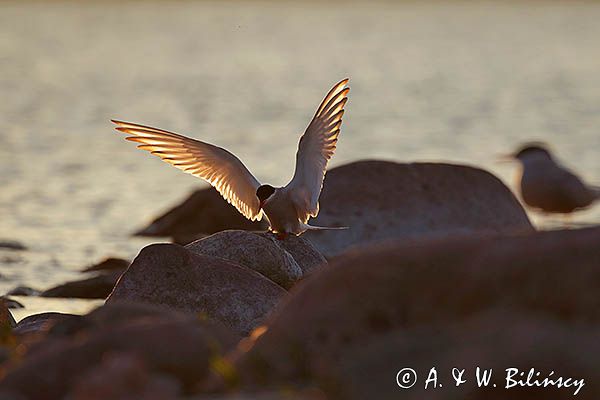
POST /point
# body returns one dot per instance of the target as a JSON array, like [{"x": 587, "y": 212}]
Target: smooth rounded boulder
[
  {"x": 172, "y": 276},
  {"x": 203, "y": 213},
  {"x": 382, "y": 200},
  {"x": 400, "y": 285},
  {"x": 179, "y": 347},
  {"x": 282, "y": 261}
]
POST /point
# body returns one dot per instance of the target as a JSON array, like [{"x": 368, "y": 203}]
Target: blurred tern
[
  {"x": 287, "y": 208},
  {"x": 548, "y": 186}
]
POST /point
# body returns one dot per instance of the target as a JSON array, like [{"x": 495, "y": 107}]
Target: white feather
[
  {"x": 316, "y": 147},
  {"x": 214, "y": 164}
]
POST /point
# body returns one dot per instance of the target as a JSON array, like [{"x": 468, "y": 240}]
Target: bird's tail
[{"x": 323, "y": 228}]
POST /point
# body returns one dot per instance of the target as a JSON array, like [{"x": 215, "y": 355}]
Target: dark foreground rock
[
  {"x": 491, "y": 341},
  {"x": 11, "y": 303},
  {"x": 97, "y": 287},
  {"x": 366, "y": 294},
  {"x": 41, "y": 323},
  {"x": 283, "y": 262},
  {"x": 137, "y": 350},
  {"x": 203, "y": 213},
  {"x": 380, "y": 200},
  {"x": 172, "y": 276},
  {"x": 7, "y": 320}
]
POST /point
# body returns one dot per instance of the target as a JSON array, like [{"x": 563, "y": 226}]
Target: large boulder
[
  {"x": 175, "y": 277},
  {"x": 164, "y": 351},
  {"x": 381, "y": 200},
  {"x": 204, "y": 212},
  {"x": 492, "y": 341},
  {"x": 96, "y": 287},
  {"x": 282, "y": 261},
  {"x": 397, "y": 286}
]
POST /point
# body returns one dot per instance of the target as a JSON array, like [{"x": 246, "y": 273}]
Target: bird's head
[
  {"x": 263, "y": 193},
  {"x": 532, "y": 152}
]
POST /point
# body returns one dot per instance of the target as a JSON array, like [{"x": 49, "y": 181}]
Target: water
[{"x": 452, "y": 81}]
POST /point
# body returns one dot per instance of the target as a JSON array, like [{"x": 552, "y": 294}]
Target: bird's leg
[
  {"x": 281, "y": 235},
  {"x": 567, "y": 221}
]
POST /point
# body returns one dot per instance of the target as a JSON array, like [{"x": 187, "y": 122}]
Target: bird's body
[
  {"x": 287, "y": 208},
  {"x": 550, "y": 187},
  {"x": 282, "y": 213}
]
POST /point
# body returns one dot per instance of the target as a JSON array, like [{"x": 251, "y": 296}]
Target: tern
[
  {"x": 548, "y": 186},
  {"x": 287, "y": 208}
]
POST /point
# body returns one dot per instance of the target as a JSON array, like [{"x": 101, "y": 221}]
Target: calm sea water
[{"x": 452, "y": 81}]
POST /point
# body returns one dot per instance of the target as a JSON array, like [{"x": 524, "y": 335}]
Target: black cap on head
[
  {"x": 264, "y": 192},
  {"x": 532, "y": 148}
]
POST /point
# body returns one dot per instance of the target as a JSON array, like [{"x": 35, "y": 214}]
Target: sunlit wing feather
[
  {"x": 214, "y": 164},
  {"x": 316, "y": 147}
]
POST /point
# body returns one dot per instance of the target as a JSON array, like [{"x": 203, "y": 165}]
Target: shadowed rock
[
  {"x": 178, "y": 346},
  {"x": 12, "y": 245},
  {"x": 494, "y": 340},
  {"x": 401, "y": 285},
  {"x": 108, "y": 265},
  {"x": 172, "y": 276},
  {"x": 381, "y": 200},
  {"x": 11, "y": 303},
  {"x": 41, "y": 323},
  {"x": 23, "y": 291},
  {"x": 97, "y": 287},
  {"x": 7, "y": 320},
  {"x": 283, "y": 262},
  {"x": 203, "y": 213}
]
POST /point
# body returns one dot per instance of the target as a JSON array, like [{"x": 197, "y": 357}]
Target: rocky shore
[{"x": 440, "y": 269}]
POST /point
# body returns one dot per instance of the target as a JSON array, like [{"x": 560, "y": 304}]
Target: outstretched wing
[
  {"x": 316, "y": 147},
  {"x": 214, "y": 164}
]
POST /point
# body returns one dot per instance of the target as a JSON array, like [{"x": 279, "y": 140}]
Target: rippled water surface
[{"x": 453, "y": 81}]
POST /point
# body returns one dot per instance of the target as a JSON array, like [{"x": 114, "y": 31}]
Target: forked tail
[{"x": 324, "y": 228}]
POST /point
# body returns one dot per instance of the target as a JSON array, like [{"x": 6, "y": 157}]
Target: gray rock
[
  {"x": 169, "y": 275},
  {"x": 41, "y": 323},
  {"x": 283, "y": 262},
  {"x": 11, "y": 303},
  {"x": 97, "y": 287},
  {"x": 381, "y": 200},
  {"x": 23, "y": 291},
  {"x": 203, "y": 213},
  {"x": 181, "y": 348},
  {"x": 12, "y": 245},
  {"x": 6, "y": 318},
  {"x": 108, "y": 265},
  {"x": 397, "y": 286}
]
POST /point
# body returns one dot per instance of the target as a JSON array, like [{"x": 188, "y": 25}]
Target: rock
[
  {"x": 400, "y": 285},
  {"x": 41, "y": 323},
  {"x": 380, "y": 200},
  {"x": 493, "y": 341},
  {"x": 172, "y": 276},
  {"x": 263, "y": 253},
  {"x": 180, "y": 348},
  {"x": 12, "y": 245},
  {"x": 6, "y": 318},
  {"x": 203, "y": 213},
  {"x": 108, "y": 265},
  {"x": 97, "y": 287},
  {"x": 11, "y": 303},
  {"x": 23, "y": 291},
  {"x": 124, "y": 376}
]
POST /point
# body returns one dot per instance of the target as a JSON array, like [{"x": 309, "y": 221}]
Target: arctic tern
[{"x": 287, "y": 208}]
